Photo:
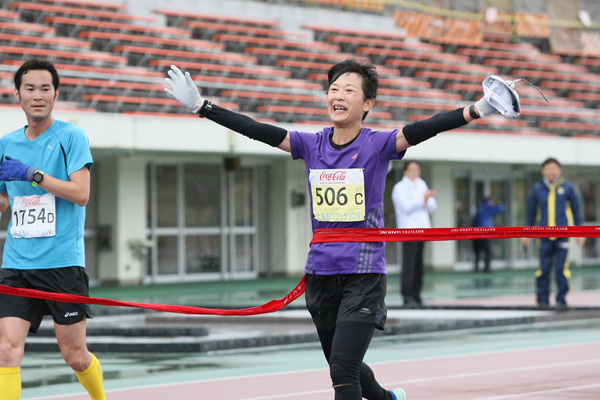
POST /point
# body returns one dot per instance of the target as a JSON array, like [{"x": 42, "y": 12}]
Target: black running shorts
[
  {"x": 70, "y": 280},
  {"x": 350, "y": 297}
]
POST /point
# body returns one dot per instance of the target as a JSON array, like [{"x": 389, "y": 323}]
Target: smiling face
[
  {"x": 37, "y": 95},
  {"x": 346, "y": 101}
]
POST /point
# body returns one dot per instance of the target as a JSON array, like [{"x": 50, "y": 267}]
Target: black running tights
[{"x": 344, "y": 349}]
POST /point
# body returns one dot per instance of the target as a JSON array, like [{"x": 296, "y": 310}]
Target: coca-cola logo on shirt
[
  {"x": 332, "y": 176},
  {"x": 31, "y": 201}
]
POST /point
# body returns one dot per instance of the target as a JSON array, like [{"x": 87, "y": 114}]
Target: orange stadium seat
[
  {"x": 46, "y": 42},
  {"x": 479, "y": 54},
  {"x": 506, "y": 66},
  {"x": 99, "y": 71},
  {"x": 114, "y": 60},
  {"x": 380, "y": 55},
  {"x": 139, "y": 55},
  {"x": 439, "y": 78},
  {"x": 301, "y": 69},
  {"x": 9, "y": 16},
  {"x": 292, "y": 114},
  {"x": 270, "y": 55},
  {"x": 239, "y": 42},
  {"x": 251, "y": 99},
  {"x": 350, "y": 44},
  {"x": 589, "y": 41},
  {"x": 107, "y": 40},
  {"x": 567, "y": 128},
  {"x": 237, "y": 83},
  {"x": 120, "y": 103},
  {"x": 72, "y": 26},
  {"x": 457, "y": 28},
  {"x": 88, "y": 4},
  {"x": 591, "y": 99},
  {"x": 410, "y": 66},
  {"x": 38, "y": 11},
  {"x": 87, "y": 57},
  {"x": 26, "y": 28},
  {"x": 425, "y": 94},
  {"x": 204, "y": 30},
  {"x": 226, "y": 70},
  {"x": 322, "y": 33},
  {"x": 532, "y": 25},
  {"x": 176, "y": 17}
]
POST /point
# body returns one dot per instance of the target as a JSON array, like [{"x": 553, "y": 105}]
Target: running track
[{"x": 554, "y": 372}]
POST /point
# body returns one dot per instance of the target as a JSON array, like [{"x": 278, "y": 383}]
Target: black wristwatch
[
  {"x": 38, "y": 177},
  {"x": 205, "y": 109}
]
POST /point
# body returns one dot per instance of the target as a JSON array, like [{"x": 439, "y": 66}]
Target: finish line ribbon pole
[
  {"x": 269, "y": 307},
  {"x": 439, "y": 234}
]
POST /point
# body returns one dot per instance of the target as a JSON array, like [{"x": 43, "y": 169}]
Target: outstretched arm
[
  {"x": 183, "y": 89},
  {"x": 417, "y": 132},
  {"x": 499, "y": 97}
]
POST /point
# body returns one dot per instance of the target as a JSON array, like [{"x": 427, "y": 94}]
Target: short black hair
[
  {"x": 406, "y": 164},
  {"x": 551, "y": 160},
  {"x": 366, "y": 70},
  {"x": 33, "y": 65}
]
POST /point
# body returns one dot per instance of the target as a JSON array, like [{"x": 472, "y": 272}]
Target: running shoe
[{"x": 398, "y": 394}]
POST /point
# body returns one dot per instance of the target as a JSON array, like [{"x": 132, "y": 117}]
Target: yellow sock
[
  {"x": 91, "y": 379},
  {"x": 10, "y": 382}
]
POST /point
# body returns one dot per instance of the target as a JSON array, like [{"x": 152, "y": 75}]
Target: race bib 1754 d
[{"x": 33, "y": 216}]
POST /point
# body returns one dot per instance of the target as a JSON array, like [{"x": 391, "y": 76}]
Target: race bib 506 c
[{"x": 338, "y": 194}]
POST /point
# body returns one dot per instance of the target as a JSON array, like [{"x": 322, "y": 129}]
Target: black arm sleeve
[
  {"x": 420, "y": 131},
  {"x": 269, "y": 134}
]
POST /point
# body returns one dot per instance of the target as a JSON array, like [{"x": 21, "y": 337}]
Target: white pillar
[
  {"x": 441, "y": 255},
  {"x": 122, "y": 214}
]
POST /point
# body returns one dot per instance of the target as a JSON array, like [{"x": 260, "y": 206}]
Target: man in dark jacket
[{"x": 556, "y": 199}]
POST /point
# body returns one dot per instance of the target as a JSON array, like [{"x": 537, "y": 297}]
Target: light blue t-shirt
[{"x": 60, "y": 151}]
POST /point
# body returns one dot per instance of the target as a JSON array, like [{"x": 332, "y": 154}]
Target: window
[{"x": 203, "y": 218}]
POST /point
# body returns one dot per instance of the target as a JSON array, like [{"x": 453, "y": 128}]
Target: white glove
[
  {"x": 184, "y": 90},
  {"x": 485, "y": 109},
  {"x": 499, "y": 96}
]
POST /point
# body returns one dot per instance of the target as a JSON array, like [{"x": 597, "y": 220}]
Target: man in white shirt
[{"x": 413, "y": 202}]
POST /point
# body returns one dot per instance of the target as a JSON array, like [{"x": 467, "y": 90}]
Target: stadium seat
[
  {"x": 293, "y": 114},
  {"x": 323, "y": 32},
  {"x": 381, "y": 55},
  {"x": 532, "y": 25},
  {"x": 9, "y": 16},
  {"x": 88, "y": 4},
  {"x": 45, "y": 42},
  {"x": 26, "y": 28},
  {"x": 80, "y": 58},
  {"x": 108, "y": 73},
  {"x": 270, "y": 55},
  {"x": 141, "y": 55},
  {"x": 36, "y": 12},
  {"x": 72, "y": 26},
  {"x": 349, "y": 44},
  {"x": 239, "y": 42},
  {"x": 106, "y": 41},
  {"x": 176, "y": 17},
  {"x": 205, "y": 30},
  {"x": 409, "y": 67},
  {"x": 256, "y": 71}
]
